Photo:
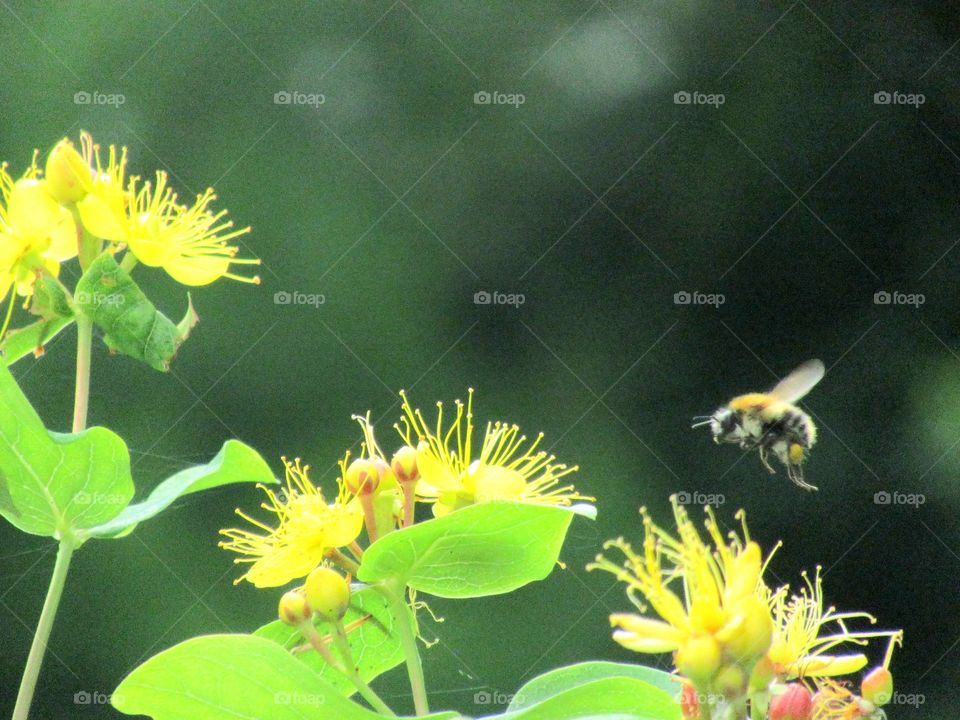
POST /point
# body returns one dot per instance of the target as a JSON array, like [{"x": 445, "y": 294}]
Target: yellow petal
[
  {"x": 31, "y": 212},
  {"x": 743, "y": 574},
  {"x": 434, "y": 472},
  {"x": 343, "y": 524},
  {"x": 103, "y": 215},
  {"x": 495, "y": 483},
  {"x": 829, "y": 665},
  {"x": 284, "y": 564},
  {"x": 642, "y": 634},
  {"x": 194, "y": 271}
]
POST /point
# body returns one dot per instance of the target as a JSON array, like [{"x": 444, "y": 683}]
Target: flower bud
[
  {"x": 699, "y": 659},
  {"x": 749, "y": 638},
  {"x": 762, "y": 674},
  {"x": 731, "y": 682},
  {"x": 362, "y": 477},
  {"x": 793, "y": 704},
  {"x": 689, "y": 702},
  {"x": 877, "y": 686},
  {"x": 67, "y": 174},
  {"x": 327, "y": 593},
  {"x": 294, "y": 609},
  {"x": 404, "y": 464}
]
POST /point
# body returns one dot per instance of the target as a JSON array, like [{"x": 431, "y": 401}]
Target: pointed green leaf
[
  {"x": 53, "y": 482},
  {"x": 31, "y": 338},
  {"x": 374, "y": 643},
  {"x": 242, "y": 677},
  {"x": 619, "y": 698},
  {"x": 562, "y": 679},
  {"x": 484, "y": 549},
  {"x": 130, "y": 322},
  {"x": 235, "y": 463}
]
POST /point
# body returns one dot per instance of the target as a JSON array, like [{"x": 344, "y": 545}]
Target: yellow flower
[
  {"x": 307, "y": 528},
  {"x": 507, "y": 468},
  {"x": 835, "y": 701},
  {"x": 189, "y": 242},
  {"x": 805, "y": 633},
  {"x": 713, "y": 616},
  {"x": 36, "y": 233}
]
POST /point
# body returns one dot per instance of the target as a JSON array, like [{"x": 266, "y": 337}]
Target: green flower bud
[{"x": 328, "y": 593}]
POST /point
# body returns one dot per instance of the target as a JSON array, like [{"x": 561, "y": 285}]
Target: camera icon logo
[
  {"x": 82, "y": 98},
  {"x": 482, "y": 698},
  {"x": 281, "y": 698},
  {"x": 882, "y": 297},
  {"x": 882, "y": 498},
  {"x": 82, "y": 698},
  {"x": 282, "y": 297},
  {"x": 482, "y": 98},
  {"x": 682, "y": 97},
  {"x": 882, "y": 97},
  {"x": 282, "y": 98},
  {"x": 683, "y": 498},
  {"x": 682, "y": 298},
  {"x": 482, "y": 298}
]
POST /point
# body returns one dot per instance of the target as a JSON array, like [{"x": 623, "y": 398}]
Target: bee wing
[{"x": 798, "y": 383}]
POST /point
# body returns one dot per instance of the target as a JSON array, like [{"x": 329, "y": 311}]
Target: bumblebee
[{"x": 770, "y": 422}]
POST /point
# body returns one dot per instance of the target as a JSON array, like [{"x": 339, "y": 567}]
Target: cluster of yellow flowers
[
  {"x": 436, "y": 465},
  {"x": 46, "y": 214},
  {"x": 735, "y": 640}
]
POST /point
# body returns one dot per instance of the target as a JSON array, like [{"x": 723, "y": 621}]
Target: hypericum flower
[
  {"x": 307, "y": 528},
  {"x": 714, "y": 618},
  {"x": 805, "y": 632},
  {"x": 36, "y": 233},
  {"x": 189, "y": 242},
  {"x": 507, "y": 468},
  {"x": 103, "y": 207}
]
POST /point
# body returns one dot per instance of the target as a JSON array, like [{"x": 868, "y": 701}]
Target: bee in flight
[{"x": 771, "y": 423}]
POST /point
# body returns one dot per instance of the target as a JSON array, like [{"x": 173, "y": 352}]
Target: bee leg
[
  {"x": 764, "y": 458},
  {"x": 795, "y": 473}
]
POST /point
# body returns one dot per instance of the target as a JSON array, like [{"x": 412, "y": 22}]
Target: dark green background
[{"x": 399, "y": 198}]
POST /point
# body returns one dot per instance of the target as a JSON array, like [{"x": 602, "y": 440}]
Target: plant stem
[
  {"x": 343, "y": 645},
  {"x": 34, "y": 660},
  {"x": 408, "y": 641},
  {"x": 82, "y": 392}
]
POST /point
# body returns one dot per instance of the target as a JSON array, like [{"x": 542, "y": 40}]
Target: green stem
[
  {"x": 367, "y": 692},
  {"x": 82, "y": 393},
  {"x": 35, "y": 659},
  {"x": 408, "y": 641}
]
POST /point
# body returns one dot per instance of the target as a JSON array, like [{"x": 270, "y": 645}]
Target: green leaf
[
  {"x": 218, "y": 677},
  {"x": 130, "y": 322},
  {"x": 235, "y": 463},
  {"x": 375, "y": 645},
  {"x": 484, "y": 549},
  {"x": 619, "y": 698},
  {"x": 30, "y": 339},
  {"x": 557, "y": 681},
  {"x": 51, "y": 483},
  {"x": 50, "y": 299}
]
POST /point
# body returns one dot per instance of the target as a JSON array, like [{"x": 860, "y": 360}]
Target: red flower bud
[{"x": 793, "y": 704}]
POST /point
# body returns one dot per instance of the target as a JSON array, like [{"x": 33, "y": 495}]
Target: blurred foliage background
[{"x": 598, "y": 198}]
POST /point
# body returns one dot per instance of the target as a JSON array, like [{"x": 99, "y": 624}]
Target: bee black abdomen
[{"x": 793, "y": 426}]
